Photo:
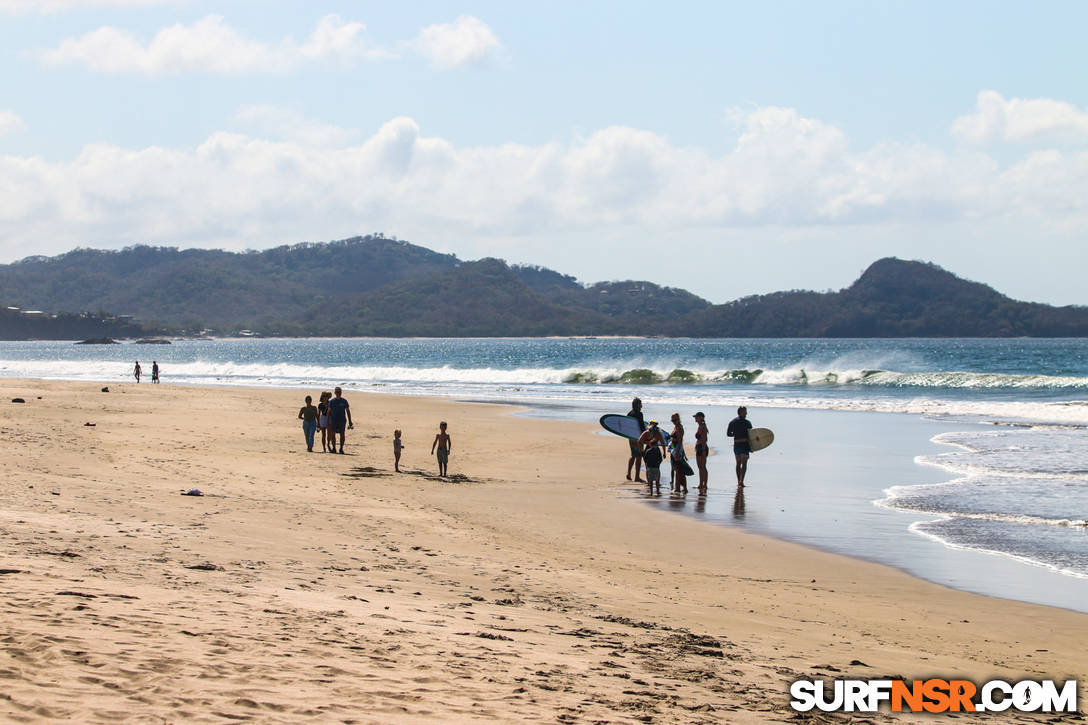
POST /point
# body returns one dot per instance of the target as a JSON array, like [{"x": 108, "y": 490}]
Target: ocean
[{"x": 970, "y": 445}]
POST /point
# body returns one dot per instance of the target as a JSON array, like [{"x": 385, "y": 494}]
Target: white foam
[
  {"x": 769, "y": 390},
  {"x": 918, "y": 528}
]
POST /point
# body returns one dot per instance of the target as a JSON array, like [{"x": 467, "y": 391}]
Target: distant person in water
[
  {"x": 679, "y": 459},
  {"x": 154, "y": 371},
  {"x": 136, "y": 371},
  {"x": 654, "y": 452},
  {"x": 701, "y": 450},
  {"x": 323, "y": 421},
  {"x": 339, "y": 419},
  {"x": 308, "y": 415},
  {"x": 738, "y": 431},
  {"x": 397, "y": 446},
  {"x": 635, "y": 458},
  {"x": 442, "y": 444}
]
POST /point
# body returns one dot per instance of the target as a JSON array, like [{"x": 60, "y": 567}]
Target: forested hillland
[{"x": 374, "y": 286}]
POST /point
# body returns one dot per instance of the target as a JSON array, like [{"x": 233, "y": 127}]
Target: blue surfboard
[
  {"x": 625, "y": 426},
  {"x": 621, "y": 425}
]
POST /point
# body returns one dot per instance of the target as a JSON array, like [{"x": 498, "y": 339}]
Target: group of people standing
[
  {"x": 653, "y": 447},
  {"x": 332, "y": 416},
  {"x": 138, "y": 371}
]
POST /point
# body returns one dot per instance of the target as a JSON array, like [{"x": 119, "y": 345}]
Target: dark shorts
[
  {"x": 741, "y": 449},
  {"x": 636, "y": 449},
  {"x": 337, "y": 426},
  {"x": 701, "y": 449}
]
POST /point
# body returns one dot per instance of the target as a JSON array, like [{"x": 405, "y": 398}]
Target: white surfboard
[{"x": 760, "y": 438}]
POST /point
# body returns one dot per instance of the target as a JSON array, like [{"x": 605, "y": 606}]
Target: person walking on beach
[
  {"x": 738, "y": 431},
  {"x": 679, "y": 459},
  {"x": 339, "y": 416},
  {"x": 443, "y": 442},
  {"x": 397, "y": 445},
  {"x": 136, "y": 372},
  {"x": 323, "y": 421},
  {"x": 155, "y": 371},
  {"x": 636, "y": 449},
  {"x": 653, "y": 453},
  {"x": 308, "y": 415},
  {"x": 701, "y": 450}
]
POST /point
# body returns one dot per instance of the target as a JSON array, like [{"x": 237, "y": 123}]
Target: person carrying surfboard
[
  {"x": 738, "y": 431},
  {"x": 636, "y": 449}
]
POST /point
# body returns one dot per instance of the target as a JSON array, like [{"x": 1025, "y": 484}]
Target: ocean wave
[
  {"x": 1025, "y": 519},
  {"x": 618, "y": 374},
  {"x": 946, "y": 531},
  {"x": 969, "y": 500},
  {"x": 790, "y": 387},
  {"x": 796, "y": 375}
]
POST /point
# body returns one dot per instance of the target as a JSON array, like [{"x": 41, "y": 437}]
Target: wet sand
[{"x": 306, "y": 587}]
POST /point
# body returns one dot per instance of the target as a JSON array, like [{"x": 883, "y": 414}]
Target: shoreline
[
  {"x": 854, "y": 524},
  {"x": 529, "y": 406},
  {"x": 526, "y": 591}
]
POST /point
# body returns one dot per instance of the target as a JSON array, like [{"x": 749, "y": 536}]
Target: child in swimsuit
[
  {"x": 443, "y": 442},
  {"x": 397, "y": 445}
]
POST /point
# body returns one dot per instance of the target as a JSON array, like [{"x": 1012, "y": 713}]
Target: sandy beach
[{"x": 306, "y": 587}]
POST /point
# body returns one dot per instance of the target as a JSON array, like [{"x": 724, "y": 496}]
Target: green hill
[
  {"x": 894, "y": 298},
  {"x": 200, "y": 287},
  {"x": 373, "y": 286}
]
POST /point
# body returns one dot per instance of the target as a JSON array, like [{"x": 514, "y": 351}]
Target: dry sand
[{"x": 307, "y": 587}]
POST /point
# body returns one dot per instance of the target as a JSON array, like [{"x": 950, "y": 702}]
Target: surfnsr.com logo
[{"x": 933, "y": 695}]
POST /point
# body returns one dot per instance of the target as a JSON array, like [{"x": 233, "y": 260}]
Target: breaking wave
[
  {"x": 802, "y": 376},
  {"x": 596, "y": 375}
]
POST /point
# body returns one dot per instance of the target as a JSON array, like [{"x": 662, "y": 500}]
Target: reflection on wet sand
[{"x": 678, "y": 501}]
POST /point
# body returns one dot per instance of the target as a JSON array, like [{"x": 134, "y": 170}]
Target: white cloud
[
  {"x": 788, "y": 177},
  {"x": 209, "y": 45},
  {"x": 288, "y": 124},
  {"x": 1021, "y": 120},
  {"x": 20, "y": 7},
  {"x": 10, "y": 123},
  {"x": 467, "y": 42}
]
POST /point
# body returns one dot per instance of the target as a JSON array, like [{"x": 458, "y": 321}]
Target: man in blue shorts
[
  {"x": 339, "y": 415},
  {"x": 738, "y": 431}
]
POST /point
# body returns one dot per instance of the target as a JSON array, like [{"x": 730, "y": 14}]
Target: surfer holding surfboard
[
  {"x": 746, "y": 439},
  {"x": 738, "y": 431},
  {"x": 636, "y": 448}
]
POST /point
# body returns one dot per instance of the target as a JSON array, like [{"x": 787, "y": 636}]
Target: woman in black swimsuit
[{"x": 701, "y": 450}]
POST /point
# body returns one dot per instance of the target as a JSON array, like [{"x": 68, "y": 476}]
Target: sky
[{"x": 728, "y": 148}]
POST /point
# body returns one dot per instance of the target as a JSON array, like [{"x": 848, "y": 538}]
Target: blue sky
[{"x": 726, "y": 148}]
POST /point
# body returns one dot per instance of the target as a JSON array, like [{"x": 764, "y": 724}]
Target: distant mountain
[
  {"x": 482, "y": 298},
  {"x": 195, "y": 287},
  {"x": 373, "y": 286},
  {"x": 894, "y": 298}
]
